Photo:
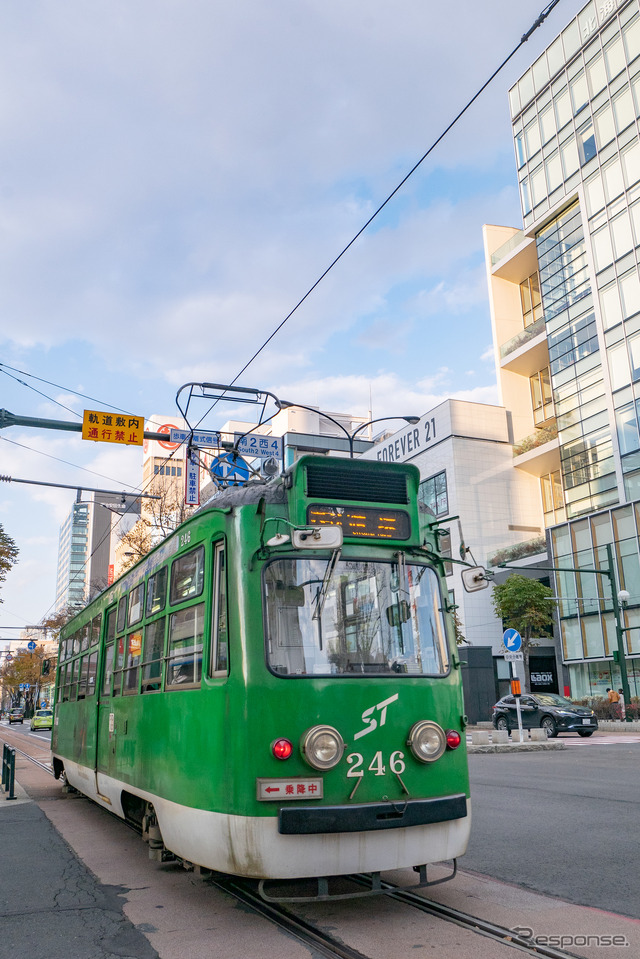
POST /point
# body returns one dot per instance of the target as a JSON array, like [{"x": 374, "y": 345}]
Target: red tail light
[
  {"x": 282, "y": 748},
  {"x": 453, "y": 739}
]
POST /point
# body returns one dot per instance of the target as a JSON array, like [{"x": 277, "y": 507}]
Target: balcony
[
  {"x": 507, "y": 247},
  {"x": 539, "y": 453},
  {"x": 539, "y": 438},
  {"x": 522, "y": 338},
  {"x": 532, "y": 547}
]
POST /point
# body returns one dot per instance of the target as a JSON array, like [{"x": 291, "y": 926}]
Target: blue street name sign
[
  {"x": 253, "y": 445},
  {"x": 198, "y": 439},
  {"x": 512, "y": 640}
]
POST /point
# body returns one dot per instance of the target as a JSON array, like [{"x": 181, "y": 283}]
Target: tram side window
[
  {"x": 187, "y": 576},
  {"x": 153, "y": 651},
  {"x": 136, "y": 604},
  {"x": 83, "y": 665},
  {"x": 84, "y": 636},
  {"x": 62, "y": 685},
  {"x": 96, "y": 623},
  {"x": 77, "y": 641},
  {"x": 111, "y": 625},
  {"x": 92, "y": 665},
  {"x": 219, "y": 659},
  {"x": 108, "y": 669},
  {"x": 122, "y": 614},
  {"x": 132, "y": 663},
  {"x": 184, "y": 655},
  {"x": 157, "y": 592},
  {"x": 72, "y": 680},
  {"x": 118, "y": 666}
]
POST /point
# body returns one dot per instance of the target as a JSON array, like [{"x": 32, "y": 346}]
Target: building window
[
  {"x": 433, "y": 493},
  {"x": 552, "y": 498},
  {"x": 541, "y": 396},
  {"x": 586, "y": 143},
  {"x": 530, "y": 300}
]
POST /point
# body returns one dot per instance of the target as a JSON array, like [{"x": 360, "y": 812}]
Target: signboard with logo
[{"x": 162, "y": 424}]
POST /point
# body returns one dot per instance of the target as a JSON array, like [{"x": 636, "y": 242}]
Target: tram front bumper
[{"x": 305, "y": 820}]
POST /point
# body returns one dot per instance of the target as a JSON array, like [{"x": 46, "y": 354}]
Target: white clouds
[
  {"x": 391, "y": 394},
  {"x": 171, "y": 152},
  {"x": 176, "y": 174}
]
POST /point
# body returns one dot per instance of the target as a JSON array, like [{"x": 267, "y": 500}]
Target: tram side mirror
[
  {"x": 474, "y": 578},
  {"x": 317, "y": 537},
  {"x": 398, "y": 613}
]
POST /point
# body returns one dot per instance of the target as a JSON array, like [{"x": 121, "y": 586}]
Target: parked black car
[
  {"x": 553, "y": 713},
  {"x": 16, "y": 716}
]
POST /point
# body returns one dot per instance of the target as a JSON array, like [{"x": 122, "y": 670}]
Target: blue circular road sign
[
  {"x": 31, "y": 645},
  {"x": 512, "y": 640},
  {"x": 229, "y": 468}
]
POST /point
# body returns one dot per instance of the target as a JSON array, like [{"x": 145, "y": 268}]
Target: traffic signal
[{"x": 46, "y": 666}]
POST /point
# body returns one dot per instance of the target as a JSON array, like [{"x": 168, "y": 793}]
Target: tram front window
[{"x": 357, "y": 618}]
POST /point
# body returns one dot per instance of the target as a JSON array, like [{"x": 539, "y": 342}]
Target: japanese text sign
[{"x": 113, "y": 428}]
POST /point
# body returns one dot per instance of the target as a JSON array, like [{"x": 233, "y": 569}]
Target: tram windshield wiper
[{"x": 323, "y": 589}]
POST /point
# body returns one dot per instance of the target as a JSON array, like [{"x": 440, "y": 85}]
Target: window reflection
[{"x": 361, "y": 618}]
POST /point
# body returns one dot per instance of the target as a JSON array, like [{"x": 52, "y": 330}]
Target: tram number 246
[{"x": 376, "y": 766}]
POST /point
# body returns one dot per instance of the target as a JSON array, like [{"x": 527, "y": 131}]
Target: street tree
[
  {"x": 159, "y": 517},
  {"x": 524, "y": 604},
  {"x": 26, "y": 669},
  {"x": 8, "y": 554}
]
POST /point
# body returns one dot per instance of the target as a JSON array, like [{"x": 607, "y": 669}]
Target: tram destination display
[{"x": 362, "y": 522}]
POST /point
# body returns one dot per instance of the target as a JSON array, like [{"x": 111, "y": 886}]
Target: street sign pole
[
  {"x": 513, "y": 641},
  {"x": 514, "y": 677}
]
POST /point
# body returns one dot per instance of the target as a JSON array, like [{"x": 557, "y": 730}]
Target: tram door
[{"x": 105, "y": 760}]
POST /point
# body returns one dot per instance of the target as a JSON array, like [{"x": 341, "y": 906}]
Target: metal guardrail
[{"x": 9, "y": 770}]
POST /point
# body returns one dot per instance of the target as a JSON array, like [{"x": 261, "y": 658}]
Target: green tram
[{"x": 274, "y": 691}]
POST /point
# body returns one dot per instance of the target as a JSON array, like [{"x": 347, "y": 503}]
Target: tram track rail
[
  {"x": 483, "y": 927},
  {"x": 323, "y": 943},
  {"x": 46, "y": 767},
  {"x": 332, "y": 948}
]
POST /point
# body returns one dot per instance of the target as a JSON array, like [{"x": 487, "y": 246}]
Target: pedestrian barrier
[{"x": 9, "y": 770}]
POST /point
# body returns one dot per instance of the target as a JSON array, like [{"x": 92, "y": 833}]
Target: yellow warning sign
[{"x": 113, "y": 428}]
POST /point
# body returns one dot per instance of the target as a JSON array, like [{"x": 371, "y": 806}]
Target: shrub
[{"x": 601, "y": 707}]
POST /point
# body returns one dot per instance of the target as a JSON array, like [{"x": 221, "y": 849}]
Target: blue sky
[{"x": 176, "y": 174}]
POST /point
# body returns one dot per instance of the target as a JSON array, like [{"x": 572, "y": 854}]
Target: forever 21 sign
[{"x": 409, "y": 442}]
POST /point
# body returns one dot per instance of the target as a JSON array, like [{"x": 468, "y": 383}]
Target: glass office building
[{"x": 565, "y": 298}]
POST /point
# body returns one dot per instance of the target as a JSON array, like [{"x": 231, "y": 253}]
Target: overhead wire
[
  {"x": 537, "y": 23},
  {"x": 67, "y": 463},
  {"x": 4, "y": 367}
]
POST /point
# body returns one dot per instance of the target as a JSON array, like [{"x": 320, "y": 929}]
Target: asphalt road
[{"x": 564, "y": 823}]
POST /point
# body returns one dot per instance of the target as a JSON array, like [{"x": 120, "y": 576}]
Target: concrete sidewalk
[{"x": 50, "y": 903}]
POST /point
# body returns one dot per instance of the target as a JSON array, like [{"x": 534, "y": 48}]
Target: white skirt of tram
[{"x": 252, "y": 846}]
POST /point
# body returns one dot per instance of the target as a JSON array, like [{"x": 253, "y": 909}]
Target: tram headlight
[
  {"x": 427, "y": 741},
  {"x": 322, "y": 747}
]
